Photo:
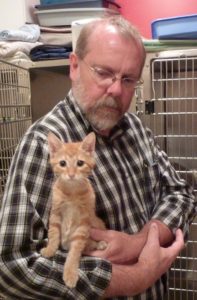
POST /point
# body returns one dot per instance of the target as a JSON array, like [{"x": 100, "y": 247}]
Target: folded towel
[
  {"x": 55, "y": 38},
  {"x": 26, "y": 33},
  {"x": 45, "y": 52},
  {"x": 20, "y": 59},
  {"x": 10, "y": 48}
]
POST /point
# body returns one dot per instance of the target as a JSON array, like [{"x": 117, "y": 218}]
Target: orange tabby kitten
[{"x": 73, "y": 203}]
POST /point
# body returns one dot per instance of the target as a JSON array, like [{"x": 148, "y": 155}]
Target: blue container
[
  {"x": 66, "y": 4},
  {"x": 178, "y": 28},
  {"x": 74, "y": 3},
  {"x": 47, "y": 2}
]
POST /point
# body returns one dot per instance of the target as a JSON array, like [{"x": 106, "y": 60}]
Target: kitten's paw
[
  {"x": 102, "y": 245},
  {"x": 70, "y": 278},
  {"x": 47, "y": 252}
]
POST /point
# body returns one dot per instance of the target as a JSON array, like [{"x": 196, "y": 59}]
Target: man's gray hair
[{"x": 124, "y": 27}]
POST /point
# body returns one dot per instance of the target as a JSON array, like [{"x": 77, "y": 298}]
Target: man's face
[{"x": 104, "y": 81}]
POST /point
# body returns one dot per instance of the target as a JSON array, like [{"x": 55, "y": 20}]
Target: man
[{"x": 138, "y": 194}]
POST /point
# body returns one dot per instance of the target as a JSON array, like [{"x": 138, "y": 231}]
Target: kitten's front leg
[
  {"x": 98, "y": 223},
  {"x": 53, "y": 237},
  {"x": 77, "y": 245}
]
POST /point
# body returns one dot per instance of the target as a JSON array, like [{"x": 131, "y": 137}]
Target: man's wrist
[{"x": 128, "y": 280}]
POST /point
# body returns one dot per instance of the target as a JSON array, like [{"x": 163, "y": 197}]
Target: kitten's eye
[
  {"x": 62, "y": 163},
  {"x": 80, "y": 163}
]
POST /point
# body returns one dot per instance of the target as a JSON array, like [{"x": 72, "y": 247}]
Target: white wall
[{"x": 14, "y": 13}]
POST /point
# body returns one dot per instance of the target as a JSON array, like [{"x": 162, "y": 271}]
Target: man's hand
[
  {"x": 156, "y": 258},
  {"x": 125, "y": 248},
  {"x": 121, "y": 248}
]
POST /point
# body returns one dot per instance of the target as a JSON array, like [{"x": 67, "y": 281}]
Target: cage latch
[{"x": 149, "y": 107}]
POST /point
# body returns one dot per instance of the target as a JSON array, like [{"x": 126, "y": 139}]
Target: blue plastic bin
[
  {"x": 177, "y": 28},
  {"x": 47, "y": 2},
  {"x": 77, "y": 4},
  {"x": 93, "y": 3}
]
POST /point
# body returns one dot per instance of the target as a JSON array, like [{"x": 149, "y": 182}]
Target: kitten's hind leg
[
  {"x": 94, "y": 245},
  {"x": 101, "y": 245},
  {"x": 96, "y": 222}
]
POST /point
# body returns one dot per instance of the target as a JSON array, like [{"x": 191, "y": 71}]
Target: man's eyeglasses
[{"x": 105, "y": 78}]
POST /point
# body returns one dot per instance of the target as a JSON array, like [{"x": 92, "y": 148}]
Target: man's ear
[{"x": 73, "y": 66}]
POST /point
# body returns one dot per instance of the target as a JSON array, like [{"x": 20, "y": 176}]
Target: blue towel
[
  {"x": 45, "y": 52},
  {"x": 26, "y": 33}
]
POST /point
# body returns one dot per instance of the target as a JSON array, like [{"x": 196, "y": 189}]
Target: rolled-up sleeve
[{"x": 176, "y": 205}]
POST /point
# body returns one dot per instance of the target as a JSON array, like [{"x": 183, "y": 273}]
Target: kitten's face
[{"x": 72, "y": 161}]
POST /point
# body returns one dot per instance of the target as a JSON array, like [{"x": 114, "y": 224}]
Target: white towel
[
  {"x": 20, "y": 59},
  {"x": 10, "y": 48},
  {"x": 26, "y": 33},
  {"x": 55, "y": 38}
]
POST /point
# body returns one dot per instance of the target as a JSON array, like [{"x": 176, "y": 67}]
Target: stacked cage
[
  {"x": 15, "y": 113},
  {"x": 167, "y": 103}
]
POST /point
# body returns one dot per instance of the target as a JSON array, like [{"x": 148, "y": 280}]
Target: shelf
[{"x": 49, "y": 63}]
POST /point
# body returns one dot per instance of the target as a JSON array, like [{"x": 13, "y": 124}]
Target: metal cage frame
[
  {"x": 167, "y": 103},
  {"x": 15, "y": 113}
]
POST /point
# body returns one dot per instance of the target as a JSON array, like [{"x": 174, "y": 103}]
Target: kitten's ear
[
  {"x": 89, "y": 142},
  {"x": 54, "y": 143}
]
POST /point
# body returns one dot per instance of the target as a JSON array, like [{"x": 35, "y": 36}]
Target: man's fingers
[
  {"x": 96, "y": 253},
  {"x": 179, "y": 236},
  {"x": 153, "y": 234},
  {"x": 178, "y": 244},
  {"x": 98, "y": 234}
]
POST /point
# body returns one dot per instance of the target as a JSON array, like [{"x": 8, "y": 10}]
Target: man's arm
[
  {"x": 154, "y": 260},
  {"x": 123, "y": 248}
]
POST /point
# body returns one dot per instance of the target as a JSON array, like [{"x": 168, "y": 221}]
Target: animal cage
[
  {"x": 15, "y": 113},
  {"x": 167, "y": 103}
]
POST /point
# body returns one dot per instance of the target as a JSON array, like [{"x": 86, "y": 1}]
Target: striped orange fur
[{"x": 73, "y": 203}]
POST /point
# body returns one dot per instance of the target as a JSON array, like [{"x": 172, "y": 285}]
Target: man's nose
[{"x": 116, "y": 87}]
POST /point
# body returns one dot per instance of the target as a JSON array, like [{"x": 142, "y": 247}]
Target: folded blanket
[
  {"x": 10, "y": 48},
  {"x": 26, "y": 33},
  {"x": 55, "y": 38},
  {"x": 45, "y": 52},
  {"x": 20, "y": 59}
]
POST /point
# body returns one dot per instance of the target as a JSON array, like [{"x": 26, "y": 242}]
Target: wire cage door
[
  {"x": 15, "y": 113},
  {"x": 171, "y": 113}
]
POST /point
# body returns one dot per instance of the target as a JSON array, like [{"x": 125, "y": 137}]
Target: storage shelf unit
[{"x": 15, "y": 113}]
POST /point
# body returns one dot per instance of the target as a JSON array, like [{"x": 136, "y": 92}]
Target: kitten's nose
[
  {"x": 71, "y": 173},
  {"x": 71, "y": 176}
]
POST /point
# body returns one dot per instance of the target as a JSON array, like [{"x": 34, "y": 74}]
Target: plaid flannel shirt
[{"x": 133, "y": 180}]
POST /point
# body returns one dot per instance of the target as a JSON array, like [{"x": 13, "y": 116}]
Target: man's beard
[{"x": 102, "y": 115}]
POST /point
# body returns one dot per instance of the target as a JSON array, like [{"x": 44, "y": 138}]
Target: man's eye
[
  {"x": 103, "y": 73},
  {"x": 62, "y": 163},
  {"x": 80, "y": 163},
  {"x": 128, "y": 80}
]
